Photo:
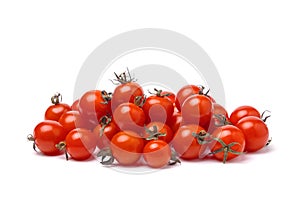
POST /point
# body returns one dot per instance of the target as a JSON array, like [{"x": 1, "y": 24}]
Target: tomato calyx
[
  {"x": 56, "y": 98},
  {"x": 104, "y": 121},
  {"x": 268, "y": 142},
  {"x": 174, "y": 158},
  {"x": 123, "y": 78},
  {"x": 263, "y": 117},
  {"x": 203, "y": 137},
  {"x": 106, "y": 96},
  {"x": 140, "y": 100},
  {"x": 158, "y": 93},
  {"x": 154, "y": 133},
  {"x": 226, "y": 148},
  {"x": 62, "y": 147},
  {"x": 31, "y": 139},
  {"x": 106, "y": 156},
  {"x": 222, "y": 120}
]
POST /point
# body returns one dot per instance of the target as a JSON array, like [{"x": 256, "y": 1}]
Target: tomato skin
[
  {"x": 129, "y": 116},
  {"x": 184, "y": 93},
  {"x": 54, "y": 112},
  {"x": 93, "y": 106},
  {"x": 243, "y": 111},
  {"x": 157, "y": 153},
  {"x": 126, "y": 93},
  {"x": 169, "y": 95},
  {"x": 228, "y": 134},
  {"x": 162, "y": 128},
  {"x": 47, "y": 134},
  {"x": 197, "y": 109},
  {"x": 218, "y": 112},
  {"x": 255, "y": 131},
  {"x": 80, "y": 144},
  {"x": 186, "y": 145},
  {"x": 108, "y": 131},
  {"x": 158, "y": 109},
  {"x": 68, "y": 120},
  {"x": 75, "y": 105},
  {"x": 175, "y": 122},
  {"x": 127, "y": 147}
]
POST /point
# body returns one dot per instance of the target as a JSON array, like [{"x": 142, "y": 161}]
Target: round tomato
[
  {"x": 186, "y": 92},
  {"x": 127, "y": 147},
  {"x": 186, "y": 144},
  {"x": 241, "y": 112},
  {"x": 175, "y": 122},
  {"x": 169, "y": 95},
  {"x": 46, "y": 135},
  {"x": 95, "y": 104},
  {"x": 80, "y": 144},
  {"x": 230, "y": 143},
  {"x": 197, "y": 109},
  {"x": 153, "y": 130},
  {"x": 105, "y": 131},
  {"x": 129, "y": 116},
  {"x": 255, "y": 131},
  {"x": 158, "y": 109},
  {"x": 219, "y": 117},
  {"x": 127, "y": 91},
  {"x": 157, "y": 153},
  {"x": 68, "y": 120}
]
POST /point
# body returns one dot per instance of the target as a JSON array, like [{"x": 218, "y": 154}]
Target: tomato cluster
[{"x": 129, "y": 128}]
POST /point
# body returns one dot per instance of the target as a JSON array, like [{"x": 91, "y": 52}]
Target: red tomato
[
  {"x": 105, "y": 132},
  {"x": 54, "y": 112},
  {"x": 197, "y": 109},
  {"x": 80, "y": 144},
  {"x": 219, "y": 110},
  {"x": 95, "y": 104},
  {"x": 186, "y": 145},
  {"x": 154, "y": 128},
  {"x": 157, "y": 153},
  {"x": 230, "y": 143},
  {"x": 46, "y": 135},
  {"x": 127, "y": 147},
  {"x": 241, "y": 112},
  {"x": 255, "y": 131},
  {"x": 175, "y": 122},
  {"x": 75, "y": 105},
  {"x": 129, "y": 116},
  {"x": 126, "y": 93},
  {"x": 186, "y": 92},
  {"x": 158, "y": 109}
]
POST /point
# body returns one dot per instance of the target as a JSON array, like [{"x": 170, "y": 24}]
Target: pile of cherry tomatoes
[{"x": 127, "y": 127}]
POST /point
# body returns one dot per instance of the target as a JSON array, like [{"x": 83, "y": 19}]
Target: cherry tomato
[
  {"x": 197, "y": 109},
  {"x": 129, "y": 116},
  {"x": 157, "y": 153},
  {"x": 154, "y": 128},
  {"x": 158, "y": 109},
  {"x": 175, "y": 122},
  {"x": 127, "y": 147},
  {"x": 105, "y": 132},
  {"x": 241, "y": 112},
  {"x": 255, "y": 131},
  {"x": 186, "y": 144},
  {"x": 46, "y": 135},
  {"x": 95, "y": 104},
  {"x": 75, "y": 105},
  {"x": 68, "y": 120},
  {"x": 230, "y": 143},
  {"x": 80, "y": 143},
  {"x": 127, "y": 91},
  {"x": 219, "y": 110},
  {"x": 55, "y": 111},
  {"x": 186, "y": 92}
]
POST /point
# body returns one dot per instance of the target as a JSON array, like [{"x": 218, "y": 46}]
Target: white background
[{"x": 254, "y": 45}]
